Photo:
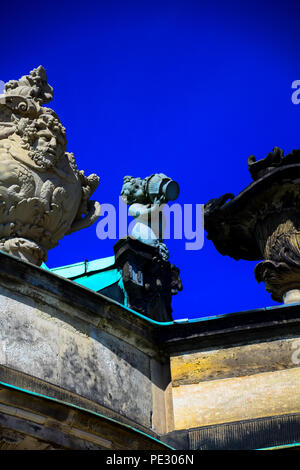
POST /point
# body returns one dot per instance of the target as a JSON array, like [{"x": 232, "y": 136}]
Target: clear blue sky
[{"x": 188, "y": 88}]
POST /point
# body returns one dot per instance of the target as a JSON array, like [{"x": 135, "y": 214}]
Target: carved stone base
[
  {"x": 149, "y": 280},
  {"x": 279, "y": 278},
  {"x": 24, "y": 249},
  {"x": 278, "y": 236},
  {"x": 292, "y": 296}
]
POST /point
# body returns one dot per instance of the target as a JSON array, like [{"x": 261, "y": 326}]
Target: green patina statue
[{"x": 146, "y": 198}]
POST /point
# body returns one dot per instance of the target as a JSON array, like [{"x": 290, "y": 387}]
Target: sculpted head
[
  {"x": 44, "y": 138},
  {"x": 155, "y": 189},
  {"x": 133, "y": 190},
  {"x": 33, "y": 127}
]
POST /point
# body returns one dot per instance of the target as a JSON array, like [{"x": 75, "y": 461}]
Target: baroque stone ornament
[
  {"x": 43, "y": 196},
  {"x": 263, "y": 222}
]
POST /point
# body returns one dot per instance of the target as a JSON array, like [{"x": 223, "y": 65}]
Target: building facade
[{"x": 79, "y": 370}]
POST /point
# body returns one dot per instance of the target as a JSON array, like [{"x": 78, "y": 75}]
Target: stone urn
[
  {"x": 263, "y": 223},
  {"x": 43, "y": 196}
]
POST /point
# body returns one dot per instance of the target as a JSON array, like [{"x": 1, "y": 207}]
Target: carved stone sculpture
[
  {"x": 263, "y": 222},
  {"x": 43, "y": 196}
]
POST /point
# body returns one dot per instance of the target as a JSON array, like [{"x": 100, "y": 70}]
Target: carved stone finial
[
  {"x": 43, "y": 196},
  {"x": 263, "y": 222},
  {"x": 32, "y": 86}
]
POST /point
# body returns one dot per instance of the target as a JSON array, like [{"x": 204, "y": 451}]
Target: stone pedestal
[
  {"x": 292, "y": 297},
  {"x": 149, "y": 281}
]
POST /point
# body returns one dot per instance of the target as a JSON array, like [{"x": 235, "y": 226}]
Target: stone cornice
[
  {"x": 231, "y": 329},
  {"x": 155, "y": 339},
  {"x": 45, "y": 287}
]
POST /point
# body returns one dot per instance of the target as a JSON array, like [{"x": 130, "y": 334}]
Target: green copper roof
[
  {"x": 44, "y": 266},
  {"x": 94, "y": 275},
  {"x": 78, "y": 269},
  {"x": 99, "y": 280}
]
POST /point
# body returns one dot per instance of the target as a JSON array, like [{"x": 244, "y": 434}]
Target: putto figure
[
  {"x": 146, "y": 198},
  {"x": 43, "y": 196},
  {"x": 149, "y": 280}
]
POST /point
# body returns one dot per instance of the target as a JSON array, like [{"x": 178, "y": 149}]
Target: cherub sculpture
[{"x": 146, "y": 198}]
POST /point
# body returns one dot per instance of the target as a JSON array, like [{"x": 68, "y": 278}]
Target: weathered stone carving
[
  {"x": 263, "y": 222},
  {"x": 43, "y": 196},
  {"x": 146, "y": 198}
]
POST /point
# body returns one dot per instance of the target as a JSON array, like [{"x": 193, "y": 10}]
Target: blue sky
[{"x": 187, "y": 88}]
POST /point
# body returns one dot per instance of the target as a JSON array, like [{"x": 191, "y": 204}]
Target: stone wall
[
  {"x": 237, "y": 383},
  {"x": 83, "y": 343},
  {"x": 231, "y": 381},
  {"x": 237, "y": 375}
]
